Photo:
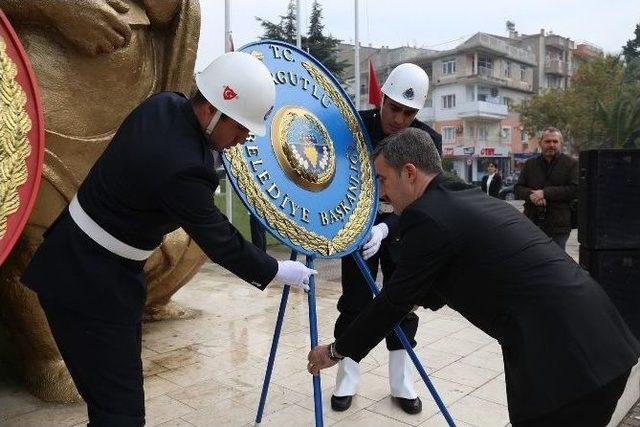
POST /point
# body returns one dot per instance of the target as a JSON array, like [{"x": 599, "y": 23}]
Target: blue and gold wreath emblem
[{"x": 303, "y": 147}]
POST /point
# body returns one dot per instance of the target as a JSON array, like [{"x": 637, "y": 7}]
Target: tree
[
  {"x": 284, "y": 31},
  {"x": 621, "y": 121},
  {"x": 597, "y": 110},
  {"x": 323, "y": 48},
  {"x": 632, "y": 49}
]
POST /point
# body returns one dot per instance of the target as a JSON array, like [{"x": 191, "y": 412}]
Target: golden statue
[{"x": 94, "y": 60}]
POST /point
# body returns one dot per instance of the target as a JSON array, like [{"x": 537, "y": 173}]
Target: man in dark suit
[
  {"x": 156, "y": 175},
  {"x": 548, "y": 183},
  {"x": 491, "y": 182},
  {"x": 567, "y": 352},
  {"x": 404, "y": 93}
]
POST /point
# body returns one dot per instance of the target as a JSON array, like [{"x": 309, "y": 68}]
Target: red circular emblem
[
  {"x": 22, "y": 125},
  {"x": 228, "y": 93}
]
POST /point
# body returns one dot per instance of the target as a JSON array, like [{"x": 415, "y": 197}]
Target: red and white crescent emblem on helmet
[{"x": 228, "y": 93}]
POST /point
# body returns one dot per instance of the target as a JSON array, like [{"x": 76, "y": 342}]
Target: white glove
[
  {"x": 376, "y": 235},
  {"x": 294, "y": 273}
]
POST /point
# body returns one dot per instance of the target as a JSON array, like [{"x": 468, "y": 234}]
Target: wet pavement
[{"x": 208, "y": 371}]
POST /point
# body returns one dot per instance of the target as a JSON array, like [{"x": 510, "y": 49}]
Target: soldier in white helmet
[
  {"x": 156, "y": 175},
  {"x": 404, "y": 94}
]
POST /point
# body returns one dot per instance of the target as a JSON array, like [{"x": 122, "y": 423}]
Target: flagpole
[
  {"x": 228, "y": 192},
  {"x": 298, "y": 20},
  {"x": 356, "y": 64}
]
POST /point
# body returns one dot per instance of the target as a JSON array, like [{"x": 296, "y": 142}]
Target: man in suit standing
[
  {"x": 404, "y": 93},
  {"x": 156, "y": 175},
  {"x": 547, "y": 184},
  {"x": 491, "y": 182},
  {"x": 567, "y": 352}
]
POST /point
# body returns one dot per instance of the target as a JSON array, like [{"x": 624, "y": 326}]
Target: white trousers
[{"x": 400, "y": 376}]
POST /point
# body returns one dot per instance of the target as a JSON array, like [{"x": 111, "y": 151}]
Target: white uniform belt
[{"x": 101, "y": 236}]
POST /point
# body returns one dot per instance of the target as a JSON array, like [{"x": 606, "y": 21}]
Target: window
[
  {"x": 449, "y": 101},
  {"x": 485, "y": 61},
  {"x": 448, "y": 133},
  {"x": 449, "y": 66},
  {"x": 524, "y": 137},
  {"x": 485, "y": 66},
  {"x": 523, "y": 73},
  {"x": 554, "y": 81},
  {"x": 506, "y": 70},
  {"x": 483, "y": 133},
  {"x": 507, "y": 101},
  {"x": 505, "y": 133}
]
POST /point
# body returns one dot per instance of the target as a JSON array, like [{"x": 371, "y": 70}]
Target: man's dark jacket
[
  {"x": 156, "y": 175},
  {"x": 560, "y": 334},
  {"x": 559, "y": 180}
]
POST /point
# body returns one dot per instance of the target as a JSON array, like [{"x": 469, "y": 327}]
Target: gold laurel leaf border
[
  {"x": 285, "y": 226},
  {"x": 15, "y": 125}
]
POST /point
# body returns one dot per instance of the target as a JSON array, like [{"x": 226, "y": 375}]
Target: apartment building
[
  {"x": 555, "y": 59},
  {"x": 474, "y": 86}
]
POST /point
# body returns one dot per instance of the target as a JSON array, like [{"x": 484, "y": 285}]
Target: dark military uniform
[
  {"x": 156, "y": 175},
  {"x": 355, "y": 291}
]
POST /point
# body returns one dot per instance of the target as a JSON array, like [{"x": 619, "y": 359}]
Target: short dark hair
[
  {"x": 491, "y": 162},
  {"x": 197, "y": 97},
  {"x": 413, "y": 146},
  {"x": 551, "y": 129}
]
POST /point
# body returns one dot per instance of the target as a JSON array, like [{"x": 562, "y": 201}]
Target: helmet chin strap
[{"x": 214, "y": 121}]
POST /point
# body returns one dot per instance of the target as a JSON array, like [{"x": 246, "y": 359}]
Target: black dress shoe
[
  {"x": 410, "y": 406},
  {"x": 341, "y": 403}
]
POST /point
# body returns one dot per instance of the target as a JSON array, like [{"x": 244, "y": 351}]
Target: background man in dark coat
[
  {"x": 548, "y": 183},
  {"x": 404, "y": 93},
  {"x": 567, "y": 352}
]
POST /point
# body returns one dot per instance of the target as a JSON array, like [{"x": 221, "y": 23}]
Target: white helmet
[
  {"x": 408, "y": 85},
  {"x": 240, "y": 86}
]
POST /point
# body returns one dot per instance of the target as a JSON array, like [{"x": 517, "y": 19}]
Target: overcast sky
[{"x": 425, "y": 23}]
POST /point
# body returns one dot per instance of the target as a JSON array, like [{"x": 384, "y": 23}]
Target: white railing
[
  {"x": 483, "y": 109},
  {"x": 503, "y": 47}
]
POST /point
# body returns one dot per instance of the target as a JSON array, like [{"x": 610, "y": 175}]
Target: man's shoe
[
  {"x": 410, "y": 406},
  {"x": 342, "y": 403}
]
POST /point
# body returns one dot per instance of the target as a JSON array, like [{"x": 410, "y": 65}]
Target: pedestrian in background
[
  {"x": 548, "y": 183},
  {"x": 492, "y": 181}
]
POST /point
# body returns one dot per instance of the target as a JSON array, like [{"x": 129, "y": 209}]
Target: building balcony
[
  {"x": 486, "y": 41},
  {"x": 485, "y": 75},
  {"x": 483, "y": 110},
  {"x": 556, "y": 66},
  {"x": 558, "y": 42},
  {"x": 520, "y": 85}
]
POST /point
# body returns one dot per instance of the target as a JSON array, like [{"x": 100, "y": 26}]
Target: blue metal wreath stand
[{"x": 313, "y": 326}]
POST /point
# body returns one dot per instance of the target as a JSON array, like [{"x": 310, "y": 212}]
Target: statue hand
[
  {"x": 93, "y": 26},
  {"x": 161, "y": 12}
]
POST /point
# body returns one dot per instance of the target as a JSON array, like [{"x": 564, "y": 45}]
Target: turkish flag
[{"x": 375, "y": 95}]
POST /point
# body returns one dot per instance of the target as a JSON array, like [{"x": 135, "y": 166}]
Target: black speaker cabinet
[
  {"x": 609, "y": 199},
  {"x": 618, "y": 272}
]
